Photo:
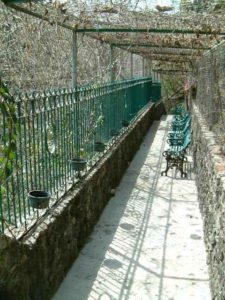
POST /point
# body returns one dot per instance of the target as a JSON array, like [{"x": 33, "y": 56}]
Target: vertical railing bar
[
  {"x": 44, "y": 150},
  {"x": 33, "y": 138},
  {"x": 19, "y": 187},
  {"x": 20, "y": 117},
  {"x": 107, "y": 98},
  {"x": 75, "y": 128},
  {"x": 8, "y": 201},
  {"x": 29, "y": 151},
  {"x": 59, "y": 153},
  {"x": 85, "y": 139},
  {"x": 60, "y": 139},
  {"x": 13, "y": 197},
  {"x": 6, "y": 183},
  {"x": 1, "y": 209},
  {"x": 26, "y": 120},
  {"x": 77, "y": 119},
  {"x": 72, "y": 126},
  {"x": 42, "y": 145},
  {"x": 52, "y": 155},
  {"x": 55, "y": 112},
  {"x": 82, "y": 123},
  {"x": 66, "y": 137},
  {"x": 64, "y": 143},
  {"x": 40, "y": 182},
  {"x": 48, "y": 155}
]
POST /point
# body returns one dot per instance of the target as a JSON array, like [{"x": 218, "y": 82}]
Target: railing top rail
[{"x": 57, "y": 92}]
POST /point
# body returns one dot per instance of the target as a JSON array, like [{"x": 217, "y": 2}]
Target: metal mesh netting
[
  {"x": 211, "y": 89},
  {"x": 35, "y": 55}
]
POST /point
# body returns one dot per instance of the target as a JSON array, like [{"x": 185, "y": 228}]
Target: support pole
[
  {"x": 112, "y": 64},
  {"x": 74, "y": 60},
  {"x": 153, "y": 76},
  {"x": 121, "y": 65},
  {"x": 143, "y": 67},
  {"x": 131, "y": 66},
  {"x": 149, "y": 71}
]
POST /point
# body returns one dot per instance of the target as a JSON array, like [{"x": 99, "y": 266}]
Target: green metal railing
[
  {"x": 56, "y": 126},
  {"x": 156, "y": 92}
]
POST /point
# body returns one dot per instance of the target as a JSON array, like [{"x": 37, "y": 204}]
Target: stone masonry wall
[
  {"x": 33, "y": 268},
  {"x": 210, "y": 176}
]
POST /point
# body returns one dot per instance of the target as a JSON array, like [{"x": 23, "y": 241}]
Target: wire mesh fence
[
  {"x": 56, "y": 128},
  {"x": 36, "y": 55},
  {"x": 211, "y": 89}
]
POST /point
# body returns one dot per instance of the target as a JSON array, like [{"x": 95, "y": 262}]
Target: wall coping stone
[{"x": 32, "y": 267}]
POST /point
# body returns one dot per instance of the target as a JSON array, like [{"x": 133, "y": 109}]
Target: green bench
[
  {"x": 178, "y": 137},
  {"x": 180, "y": 117},
  {"x": 179, "y": 109},
  {"x": 180, "y": 133},
  {"x": 181, "y": 124},
  {"x": 175, "y": 155}
]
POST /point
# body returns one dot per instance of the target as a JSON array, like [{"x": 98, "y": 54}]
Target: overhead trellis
[
  {"x": 84, "y": 16},
  {"x": 175, "y": 37},
  {"x": 35, "y": 55},
  {"x": 123, "y": 22}
]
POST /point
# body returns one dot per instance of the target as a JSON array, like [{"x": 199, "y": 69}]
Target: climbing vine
[{"x": 9, "y": 130}]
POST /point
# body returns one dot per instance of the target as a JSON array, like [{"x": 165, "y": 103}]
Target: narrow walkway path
[{"x": 148, "y": 244}]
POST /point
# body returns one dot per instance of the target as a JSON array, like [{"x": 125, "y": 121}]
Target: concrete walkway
[{"x": 148, "y": 243}]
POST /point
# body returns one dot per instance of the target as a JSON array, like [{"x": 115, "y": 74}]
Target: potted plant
[
  {"x": 99, "y": 146},
  {"x": 125, "y": 123},
  {"x": 78, "y": 164},
  {"x": 114, "y": 132},
  {"x": 39, "y": 199}
]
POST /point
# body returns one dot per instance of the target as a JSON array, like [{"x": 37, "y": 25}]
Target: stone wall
[
  {"x": 209, "y": 162},
  {"x": 33, "y": 267}
]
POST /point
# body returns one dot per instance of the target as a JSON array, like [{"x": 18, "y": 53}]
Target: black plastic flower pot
[
  {"x": 125, "y": 123},
  {"x": 78, "y": 164},
  {"x": 39, "y": 199},
  {"x": 99, "y": 146},
  {"x": 114, "y": 132}
]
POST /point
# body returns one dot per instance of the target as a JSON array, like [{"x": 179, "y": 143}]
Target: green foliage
[
  {"x": 10, "y": 124},
  {"x": 171, "y": 85}
]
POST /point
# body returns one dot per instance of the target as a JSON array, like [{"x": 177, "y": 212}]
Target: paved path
[{"x": 148, "y": 244}]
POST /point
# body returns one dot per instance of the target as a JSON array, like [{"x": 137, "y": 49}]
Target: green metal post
[
  {"x": 74, "y": 60},
  {"x": 131, "y": 65},
  {"x": 1, "y": 211},
  {"x": 112, "y": 64},
  {"x": 143, "y": 66}
]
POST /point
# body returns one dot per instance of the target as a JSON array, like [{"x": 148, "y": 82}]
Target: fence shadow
[{"x": 112, "y": 259}]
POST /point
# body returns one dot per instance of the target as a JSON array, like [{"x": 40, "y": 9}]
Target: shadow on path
[{"x": 148, "y": 242}]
